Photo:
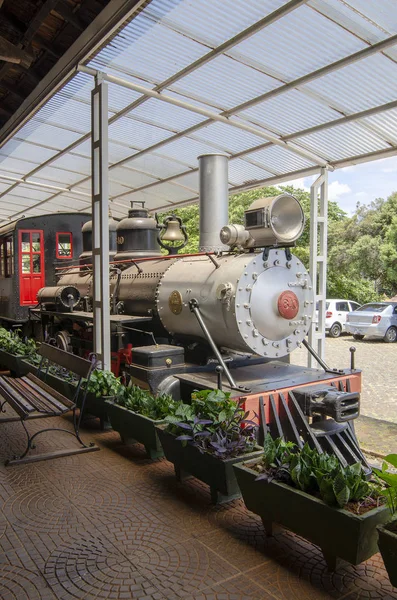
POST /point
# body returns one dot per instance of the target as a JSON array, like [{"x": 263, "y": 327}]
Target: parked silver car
[{"x": 377, "y": 319}]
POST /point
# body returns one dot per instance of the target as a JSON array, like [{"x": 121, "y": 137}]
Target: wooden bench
[{"x": 32, "y": 398}]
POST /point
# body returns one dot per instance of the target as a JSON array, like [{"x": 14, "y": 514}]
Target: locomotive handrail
[{"x": 142, "y": 259}]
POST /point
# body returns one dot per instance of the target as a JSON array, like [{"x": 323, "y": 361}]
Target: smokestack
[{"x": 214, "y": 200}]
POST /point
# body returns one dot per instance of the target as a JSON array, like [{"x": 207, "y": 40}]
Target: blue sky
[{"x": 359, "y": 183}]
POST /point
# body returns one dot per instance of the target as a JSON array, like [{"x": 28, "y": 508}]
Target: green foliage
[
  {"x": 142, "y": 402},
  {"x": 277, "y": 452},
  {"x": 103, "y": 383},
  {"x": 12, "y": 343},
  {"x": 214, "y": 423},
  {"x": 208, "y": 405},
  {"x": 391, "y": 481},
  {"x": 316, "y": 473},
  {"x": 363, "y": 251}
]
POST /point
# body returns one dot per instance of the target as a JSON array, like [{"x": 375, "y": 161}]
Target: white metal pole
[
  {"x": 100, "y": 221},
  {"x": 318, "y": 259}
]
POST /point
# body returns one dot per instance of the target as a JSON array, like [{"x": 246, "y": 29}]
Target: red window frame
[{"x": 59, "y": 256}]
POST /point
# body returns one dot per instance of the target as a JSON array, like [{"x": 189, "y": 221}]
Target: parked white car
[{"x": 336, "y": 311}]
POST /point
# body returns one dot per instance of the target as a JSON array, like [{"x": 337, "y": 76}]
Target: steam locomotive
[{"x": 227, "y": 317}]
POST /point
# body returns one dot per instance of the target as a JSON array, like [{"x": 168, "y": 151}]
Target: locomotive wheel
[
  {"x": 358, "y": 336},
  {"x": 63, "y": 341},
  {"x": 335, "y": 330},
  {"x": 390, "y": 335}
]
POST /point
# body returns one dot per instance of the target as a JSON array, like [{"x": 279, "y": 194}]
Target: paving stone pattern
[{"x": 113, "y": 524}]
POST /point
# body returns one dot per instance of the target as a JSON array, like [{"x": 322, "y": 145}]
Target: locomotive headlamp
[{"x": 274, "y": 221}]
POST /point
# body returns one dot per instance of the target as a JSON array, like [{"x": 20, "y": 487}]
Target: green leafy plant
[
  {"x": 103, "y": 383},
  {"x": 391, "y": 481},
  {"x": 316, "y": 473},
  {"x": 142, "y": 402},
  {"x": 11, "y": 342},
  {"x": 213, "y": 423}
]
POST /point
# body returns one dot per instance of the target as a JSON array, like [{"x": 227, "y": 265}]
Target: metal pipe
[
  {"x": 136, "y": 260},
  {"x": 316, "y": 356},
  {"x": 195, "y": 309},
  {"x": 213, "y": 199}
]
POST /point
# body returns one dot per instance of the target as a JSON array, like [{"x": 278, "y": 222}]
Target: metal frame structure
[
  {"x": 318, "y": 259},
  {"x": 100, "y": 221}
]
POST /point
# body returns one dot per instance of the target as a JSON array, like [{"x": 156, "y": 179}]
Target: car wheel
[
  {"x": 390, "y": 335},
  {"x": 358, "y": 336},
  {"x": 335, "y": 330}
]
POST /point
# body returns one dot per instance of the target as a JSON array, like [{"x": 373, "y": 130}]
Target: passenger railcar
[{"x": 30, "y": 250}]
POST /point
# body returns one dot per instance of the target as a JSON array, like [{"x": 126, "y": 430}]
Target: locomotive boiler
[{"x": 229, "y": 316}]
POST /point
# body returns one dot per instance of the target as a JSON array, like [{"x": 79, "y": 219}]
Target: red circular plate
[{"x": 288, "y": 304}]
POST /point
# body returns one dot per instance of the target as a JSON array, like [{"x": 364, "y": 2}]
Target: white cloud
[{"x": 337, "y": 189}]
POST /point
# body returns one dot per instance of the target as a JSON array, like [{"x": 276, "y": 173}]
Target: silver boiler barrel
[{"x": 248, "y": 305}]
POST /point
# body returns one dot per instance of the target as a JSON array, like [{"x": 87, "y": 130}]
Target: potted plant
[
  {"x": 388, "y": 532},
  {"x": 206, "y": 438},
  {"x": 311, "y": 494},
  {"x": 102, "y": 388},
  {"x": 13, "y": 350},
  {"x": 135, "y": 414}
]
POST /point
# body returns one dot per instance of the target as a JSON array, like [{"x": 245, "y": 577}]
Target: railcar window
[
  {"x": 26, "y": 263},
  {"x": 2, "y": 259},
  {"x": 25, "y": 243},
  {"x": 35, "y": 242},
  {"x": 8, "y": 257},
  {"x": 64, "y": 245}
]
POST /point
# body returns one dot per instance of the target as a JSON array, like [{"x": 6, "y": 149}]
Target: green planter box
[
  {"x": 217, "y": 473},
  {"x": 15, "y": 363},
  {"x": 96, "y": 406},
  {"x": 388, "y": 547},
  {"x": 338, "y": 532},
  {"x": 134, "y": 427}
]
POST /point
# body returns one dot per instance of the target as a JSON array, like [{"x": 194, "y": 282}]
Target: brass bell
[{"x": 172, "y": 232}]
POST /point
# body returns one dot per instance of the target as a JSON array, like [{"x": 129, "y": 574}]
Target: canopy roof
[{"x": 283, "y": 88}]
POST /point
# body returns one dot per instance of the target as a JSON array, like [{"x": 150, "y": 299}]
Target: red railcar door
[{"x": 31, "y": 265}]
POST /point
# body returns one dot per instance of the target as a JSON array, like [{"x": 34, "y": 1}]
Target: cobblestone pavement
[{"x": 113, "y": 524}]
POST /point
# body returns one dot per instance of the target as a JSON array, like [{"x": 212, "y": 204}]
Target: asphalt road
[{"x": 377, "y": 361}]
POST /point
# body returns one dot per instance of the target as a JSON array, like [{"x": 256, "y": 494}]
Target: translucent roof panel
[
  {"x": 224, "y": 83},
  {"x": 385, "y": 124},
  {"x": 280, "y": 87},
  {"x": 290, "y": 112},
  {"x": 342, "y": 141},
  {"x": 301, "y": 42},
  {"x": 365, "y": 84},
  {"x": 279, "y": 160},
  {"x": 193, "y": 17},
  {"x": 148, "y": 49}
]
